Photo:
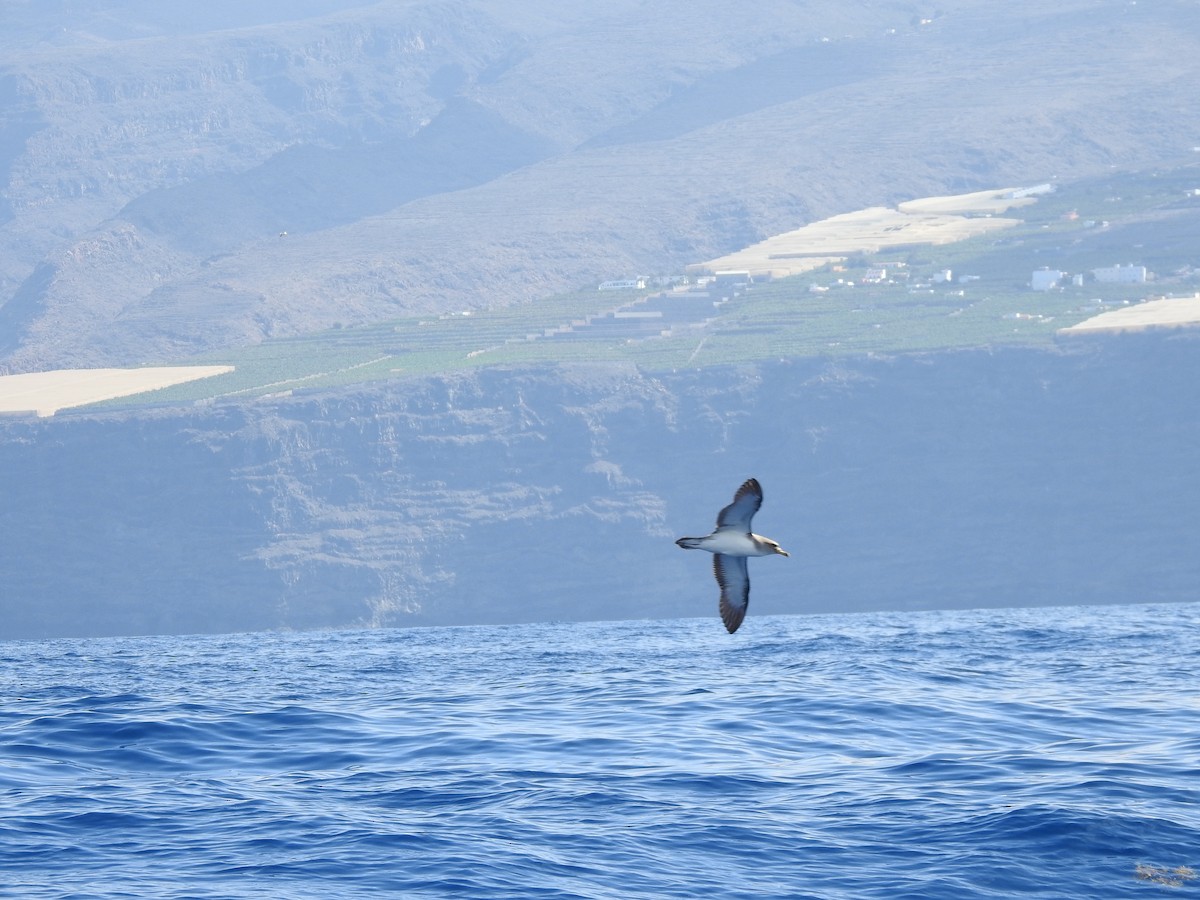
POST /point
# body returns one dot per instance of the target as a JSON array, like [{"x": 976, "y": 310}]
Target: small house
[{"x": 1045, "y": 279}]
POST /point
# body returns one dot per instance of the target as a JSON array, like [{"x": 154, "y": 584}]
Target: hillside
[
  {"x": 933, "y": 274},
  {"x": 428, "y": 157}
]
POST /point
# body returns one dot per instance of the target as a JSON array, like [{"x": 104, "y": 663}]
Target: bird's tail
[{"x": 689, "y": 543}]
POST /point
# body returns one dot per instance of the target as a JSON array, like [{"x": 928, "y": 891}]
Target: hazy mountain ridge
[{"x": 160, "y": 170}]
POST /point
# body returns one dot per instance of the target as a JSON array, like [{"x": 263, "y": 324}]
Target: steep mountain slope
[{"x": 426, "y": 156}]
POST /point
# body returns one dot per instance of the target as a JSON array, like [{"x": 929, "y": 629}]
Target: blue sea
[{"x": 1003, "y": 753}]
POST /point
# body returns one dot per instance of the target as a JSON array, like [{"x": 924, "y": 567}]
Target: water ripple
[{"x": 989, "y": 754}]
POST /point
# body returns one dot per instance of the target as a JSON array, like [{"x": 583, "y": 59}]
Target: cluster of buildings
[
  {"x": 681, "y": 301},
  {"x": 1044, "y": 279},
  {"x": 894, "y": 273},
  {"x": 1047, "y": 279},
  {"x": 684, "y": 300}
]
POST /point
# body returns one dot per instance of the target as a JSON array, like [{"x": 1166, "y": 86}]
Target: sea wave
[{"x": 1046, "y": 753}]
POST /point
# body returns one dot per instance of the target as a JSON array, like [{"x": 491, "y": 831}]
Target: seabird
[{"x": 730, "y": 543}]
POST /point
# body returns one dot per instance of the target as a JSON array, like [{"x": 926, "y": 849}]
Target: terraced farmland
[{"x": 971, "y": 293}]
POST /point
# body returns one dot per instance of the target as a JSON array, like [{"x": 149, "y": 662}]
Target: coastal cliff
[{"x": 962, "y": 479}]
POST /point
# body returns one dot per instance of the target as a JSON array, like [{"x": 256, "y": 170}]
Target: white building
[
  {"x": 628, "y": 284},
  {"x": 1045, "y": 279},
  {"x": 733, "y": 278},
  {"x": 1121, "y": 274}
]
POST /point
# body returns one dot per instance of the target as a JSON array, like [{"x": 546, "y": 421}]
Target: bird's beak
[{"x": 782, "y": 552}]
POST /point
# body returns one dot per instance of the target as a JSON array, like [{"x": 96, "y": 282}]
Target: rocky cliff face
[{"x": 955, "y": 480}]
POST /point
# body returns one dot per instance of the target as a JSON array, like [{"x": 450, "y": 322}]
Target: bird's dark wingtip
[{"x": 732, "y": 615}]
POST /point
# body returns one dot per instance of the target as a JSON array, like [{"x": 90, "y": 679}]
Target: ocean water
[{"x": 1033, "y": 753}]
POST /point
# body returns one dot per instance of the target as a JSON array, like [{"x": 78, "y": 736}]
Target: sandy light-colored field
[
  {"x": 1169, "y": 312},
  {"x": 45, "y": 393},
  {"x": 932, "y": 220},
  {"x": 988, "y": 203}
]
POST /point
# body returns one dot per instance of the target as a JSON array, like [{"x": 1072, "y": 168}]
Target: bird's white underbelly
[{"x": 733, "y": 543}]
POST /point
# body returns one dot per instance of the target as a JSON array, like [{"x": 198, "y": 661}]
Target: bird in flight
[{"x": 730, "y": 544}]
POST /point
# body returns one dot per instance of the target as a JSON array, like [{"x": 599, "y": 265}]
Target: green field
[{"x": 1146, "y": 219}]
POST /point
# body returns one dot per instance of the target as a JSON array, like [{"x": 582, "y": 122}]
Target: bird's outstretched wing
[
  {"x": 734, "y": 579},
  {"x": 745, "y": 504}
]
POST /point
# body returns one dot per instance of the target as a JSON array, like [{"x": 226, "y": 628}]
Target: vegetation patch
[{"x": 974, "y": 292}]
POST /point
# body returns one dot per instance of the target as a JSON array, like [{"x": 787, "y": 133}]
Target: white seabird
[{"x": 731, "y": 543}]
